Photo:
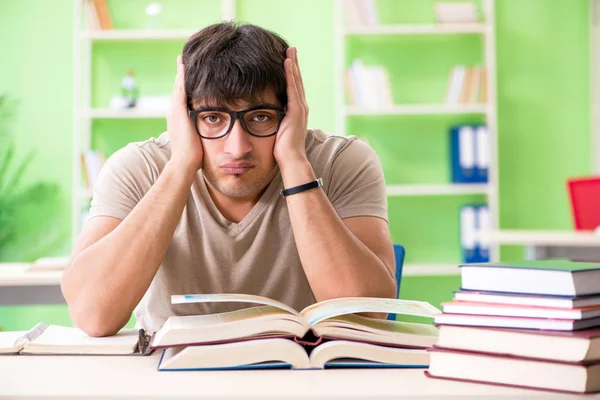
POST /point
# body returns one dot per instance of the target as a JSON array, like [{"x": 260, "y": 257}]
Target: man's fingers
[
  {"x": 292, "y": 90},
  {"x": 299, "y": 80},
  {"x": 178, "y": 97}
]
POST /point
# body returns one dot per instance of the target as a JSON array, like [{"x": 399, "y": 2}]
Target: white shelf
[
  {"x": 110, "y": 35},
  {"x": 108, "y": 113},
  {"x": 86, "y": 193},
  {"x": 19, "y": 275},
  {"x": 434, "y": 190},
  {"x": 430, "y": 269},
  {"x": 542, "y": 238},
  {"x": 418, "y": 109},
  {"x": 422, "y": 29}
]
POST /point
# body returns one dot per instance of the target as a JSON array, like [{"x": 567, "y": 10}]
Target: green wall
[{"x": 543, "y": 79}]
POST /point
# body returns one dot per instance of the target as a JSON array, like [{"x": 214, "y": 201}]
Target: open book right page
[{"x": 315, "y": 313}]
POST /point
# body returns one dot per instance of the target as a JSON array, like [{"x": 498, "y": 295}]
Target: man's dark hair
[{"x": 227, "y": 62}]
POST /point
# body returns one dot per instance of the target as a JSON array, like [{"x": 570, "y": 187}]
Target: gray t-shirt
[{"x": 258, "y": 255}]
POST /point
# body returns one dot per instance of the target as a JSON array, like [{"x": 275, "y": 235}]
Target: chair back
[{"x": 399, "y": 253}]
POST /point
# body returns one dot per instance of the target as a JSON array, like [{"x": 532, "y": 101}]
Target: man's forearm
[
  {"x": 107, "y": 280},
  {"x": 336, "y": 262}
]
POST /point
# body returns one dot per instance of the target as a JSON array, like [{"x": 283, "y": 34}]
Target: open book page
[
  {"x": 277, "y": 353},
  {"x": 252, "y": 322},
  {"x": 8, "y": 341},
  {"x": 66, "y": 340},
  {"x": 375, "y": 330},
  {"x": 342, "y": 353},
  {"x": 230, "y": 297},
  {"x": 350, "y": 305}
]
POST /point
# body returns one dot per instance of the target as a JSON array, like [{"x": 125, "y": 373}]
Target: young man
[{"x": 199, "y": 209}]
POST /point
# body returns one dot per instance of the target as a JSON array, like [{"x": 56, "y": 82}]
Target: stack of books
[
  {"x": 328, "y": 334},
  {"x": 528, "y": 323}
]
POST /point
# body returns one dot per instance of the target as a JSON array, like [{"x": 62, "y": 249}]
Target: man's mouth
[{"x": 237, "y": 168}]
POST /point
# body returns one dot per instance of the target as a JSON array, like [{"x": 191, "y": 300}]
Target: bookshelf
[
  {"x": 84, "y": 112},
  {"x": 387, "y": 32}
]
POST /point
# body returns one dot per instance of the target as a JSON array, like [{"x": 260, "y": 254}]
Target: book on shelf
[
  {"x": 545, "y": 277},
  {"x": 61, "y": 340},
  {"x": 466, "y": 85},
  {"x": 99, "y": 15},
  {"x": 327, "y": 334},
  {"x": 527, "y": 299},
  {"x": 567, "y": 346},
  {"x": 456, "y": 12},
  {"x": 368, "y": 86},
  {"x": 514, "y": 371},
  {"x": 360, "y": 12}
]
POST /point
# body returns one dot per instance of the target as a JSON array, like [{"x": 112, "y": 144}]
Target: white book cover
[
  {"x": 482, "y": 155},
  {"x": 466, "y": 149},
  {"x": 467, "y": 228},
  {"x": 457, "y": 78},
  {"x": 484, "y": 224}
]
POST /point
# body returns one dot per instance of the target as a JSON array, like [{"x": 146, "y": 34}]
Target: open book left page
[{"x": 54, "y": 339}]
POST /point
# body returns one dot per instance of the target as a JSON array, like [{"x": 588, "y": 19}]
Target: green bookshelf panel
[
  {"x": 418, "y": 66},
  {"x": 413, "y": 149},
  {"x": 175, "y": 14},
  {"x": 112, "y": 134},
  {"x": 429, "y": 226},
  {"x": 154, "y": 64}
]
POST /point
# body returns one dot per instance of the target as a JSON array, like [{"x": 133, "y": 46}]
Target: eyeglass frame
[{"x": 239, "y": 115}]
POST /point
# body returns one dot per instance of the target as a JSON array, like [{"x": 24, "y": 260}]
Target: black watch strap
[{"x": 301, "y": 188}]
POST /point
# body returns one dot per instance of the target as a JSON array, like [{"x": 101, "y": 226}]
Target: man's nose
[{"x": 237, "y": 142}]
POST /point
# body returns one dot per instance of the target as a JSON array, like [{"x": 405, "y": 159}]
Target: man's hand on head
[
  {"x": 290, "y": 142},
  {"x": 186, "y": 147}
]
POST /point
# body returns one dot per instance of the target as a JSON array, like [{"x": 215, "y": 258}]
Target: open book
[
  {"x": 53, "y": 339},
  {"x": 325, "y": 334}
]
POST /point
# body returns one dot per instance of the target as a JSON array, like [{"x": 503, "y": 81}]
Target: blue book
[{"x": 328, "y": 334}]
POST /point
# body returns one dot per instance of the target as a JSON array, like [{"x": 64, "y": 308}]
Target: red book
[
  {"x": 564, "y": 346},
  {"x": 514, "y": 371}
]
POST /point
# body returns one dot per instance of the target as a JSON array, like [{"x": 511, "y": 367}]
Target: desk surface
[{"x": 134, "y": 376}]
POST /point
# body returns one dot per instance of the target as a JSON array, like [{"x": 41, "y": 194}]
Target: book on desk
[
  {"x": 45, "y": 339},
  {"x": 272, "y": 335},
  {"x": 532, "y": 324},
  {"x": 269, "y": 334}
]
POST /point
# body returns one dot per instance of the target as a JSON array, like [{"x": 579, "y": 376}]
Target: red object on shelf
[{"x": 585, "y": 202}]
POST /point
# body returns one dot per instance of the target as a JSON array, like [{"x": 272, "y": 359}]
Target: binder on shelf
[
  {"x": 463, "y": 154},
  {"x": 482, "y": 155},
  {"x": 484, "y": 223},
  {"x": 470, "y": 158},
  {"x": 474, "y": 218},
  {"x": 467, "y": 233}
]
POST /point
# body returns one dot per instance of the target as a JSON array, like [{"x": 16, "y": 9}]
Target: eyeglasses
[{"x": 262, "y": 121}]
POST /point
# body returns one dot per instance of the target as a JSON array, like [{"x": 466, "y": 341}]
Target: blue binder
[
  {"x": 473, "y": 218},
  {"x": 482, "y": 153},
  {"x": 462, "y": 149}
]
